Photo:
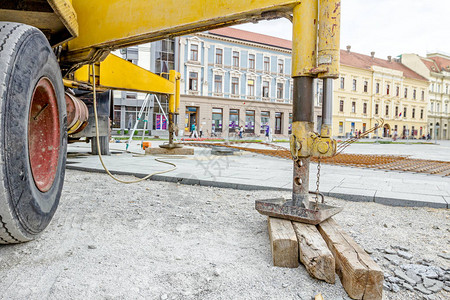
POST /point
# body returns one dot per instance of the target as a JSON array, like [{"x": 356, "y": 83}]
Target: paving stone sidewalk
[{"x": 253, "y": 171}]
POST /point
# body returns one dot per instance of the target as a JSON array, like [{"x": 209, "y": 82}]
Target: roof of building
[
  {"x": 362, "y": 61},
  {"x": 441, "y": 63},
  {"x": 430, "y": 64},
  {"x": 352, "y": 59},
  {"x": 258, "y": 38}
]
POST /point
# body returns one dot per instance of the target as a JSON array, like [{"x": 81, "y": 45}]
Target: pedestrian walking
[
  {"x": 267, "y": 132},
  {"x": 201, "y": 130},
  {"x": 194, "y": 131},
  {"x": 241, "y": 131},
  {"x": 213, "y": 130}
]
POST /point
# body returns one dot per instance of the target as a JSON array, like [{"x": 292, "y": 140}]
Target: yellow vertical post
[
  {"x": 328, "y": 57},
  {"x": 329, "y": 37},
  {"x": 177, "y": 93},
  {"x": 304, "y": 35},
  {"x": 172, "y": 100},
  {"x": 304, "y": 53}
]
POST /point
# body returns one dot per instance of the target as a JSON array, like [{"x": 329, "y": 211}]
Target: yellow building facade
[{"x": 370, "y": 89}]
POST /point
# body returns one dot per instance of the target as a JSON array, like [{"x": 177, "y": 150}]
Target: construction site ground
[
  {"x": 250, "y": 171},
  {"x": 162, "y": 240}
]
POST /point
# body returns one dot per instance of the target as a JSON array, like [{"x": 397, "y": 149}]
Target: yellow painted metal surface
[
  {"x": 329, "y": 37},
  {"x": 172, "y": 103},
  {"x": 177, "y": 93},
  {"x": 304, "y": 37},
  {"x": 304, "y": 142},
  {"x": 115, "y": 24},
  {"x": 301, "y": 141},
  {"x": 118, "y": 74},
  {"x": 66, "y": 13}
]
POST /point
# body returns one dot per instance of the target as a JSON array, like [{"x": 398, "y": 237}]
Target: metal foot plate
[{"x": 281, "y": 208}]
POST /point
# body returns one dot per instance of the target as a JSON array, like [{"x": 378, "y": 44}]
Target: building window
[
  {"x": 342, "y": 83},
  {"x": 377, "y": 88},
  {"x": 194, "y": 52},
  {"x": 266, "y": 64},
  {"x": 164, "y": 56},
  {"x": 250, "y": 121},
  {"x": 117, "y": 116},
  {"x": 218, "y": 83},
  {"x": 396, "y": 111},
  {"x": 431, "y": 106},
  {"x": 341, "y": 105},
  {"x": 365, "y": 108},
  {"x": 387, "y": 110},
  {"x": 265, "y": 118},
  {"x": 397, "y": 91},
  {"x": 236, "y": 59},
  {"x": 387, "y": 89},
  {"x": 193, "y": 81},
  {"x": 413, "y": 113},
  {"x": 376, "y": 109},
  {"x": 353, "y": 107},
  {"x": 438, "y": 108},
  {"x": 414, "y": 94},
  {"x": 234, "y": 119},
  {"x": 406, "y": 92},
  {"x": 235, "y": 86},
  {"x": 265, "y": 89},
  {"x": 278, "y": 122},
  {"x": 251, "y": 87},
  {"x": 354, "y": 85},
  {"x": 423, "y": 95},
  {"x": 366, "y": 86},
  {"x": 404, "y": 112},
  {"x": 341, "y": 127},
  {"x": 219, "y": 55},
  {"x": 217, "y": 117},
  {"x": 280, "y": 66},
  {"x": 432, "y": 87},
  {"x": 421, "y": 113},
  {"x": 251, "y": 61},
  {"x": 279, "y": 90}
]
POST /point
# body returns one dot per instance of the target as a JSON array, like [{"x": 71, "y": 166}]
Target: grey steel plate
[{"x": 284, "y": 209}]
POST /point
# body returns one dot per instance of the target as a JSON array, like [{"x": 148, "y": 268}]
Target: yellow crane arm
[
  {"x": 118, "y": 74},
  {"x": 112, "y": 24}
]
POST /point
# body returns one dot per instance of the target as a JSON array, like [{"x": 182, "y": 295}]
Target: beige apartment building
[
  {"x": 436, "y": 68},
  {"x": 370, "y": 89}
]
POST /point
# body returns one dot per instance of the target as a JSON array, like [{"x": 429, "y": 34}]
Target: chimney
[
  {"x": 348, "y": 48},
  {"x": 389, "y": 58},
  {"x": 372, "y": 54}
]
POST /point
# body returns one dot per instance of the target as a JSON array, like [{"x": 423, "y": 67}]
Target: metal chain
[{"x": 316, "y": 206}]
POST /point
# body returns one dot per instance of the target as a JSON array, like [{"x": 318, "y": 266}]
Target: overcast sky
[{"x": 388, "y": 27}]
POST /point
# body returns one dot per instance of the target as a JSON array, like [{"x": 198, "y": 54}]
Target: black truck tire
[
  {"x": 33, "y": 136},
  {"x": 104, "y": 145}
]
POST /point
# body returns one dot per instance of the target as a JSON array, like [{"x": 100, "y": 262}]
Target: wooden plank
[
  {"x": 314, "y": 253},
  {"x": 361, "y": 277},
  {"x": 283, "y": 242}
]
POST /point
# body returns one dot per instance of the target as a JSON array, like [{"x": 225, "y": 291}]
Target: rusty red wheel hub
[{"x": 44, "y": 134}]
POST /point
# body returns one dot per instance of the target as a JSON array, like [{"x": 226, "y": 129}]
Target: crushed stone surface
[{"x": 156, "y": 240}]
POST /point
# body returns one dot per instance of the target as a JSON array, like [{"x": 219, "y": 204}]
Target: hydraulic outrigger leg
[{"x": 309, "y": 60}]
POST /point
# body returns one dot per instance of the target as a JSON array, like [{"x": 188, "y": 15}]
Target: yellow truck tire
[{"x": 33, "y": 137}]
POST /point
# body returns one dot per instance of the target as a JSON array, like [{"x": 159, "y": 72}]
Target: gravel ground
[{"x": 156, "y": 240}]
